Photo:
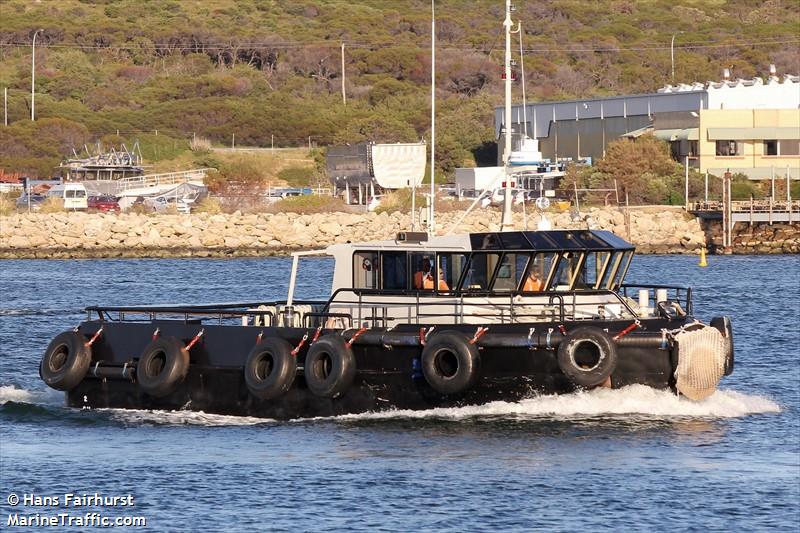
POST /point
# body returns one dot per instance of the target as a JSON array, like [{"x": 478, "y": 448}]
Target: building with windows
[{"x": 745, "y": 126}]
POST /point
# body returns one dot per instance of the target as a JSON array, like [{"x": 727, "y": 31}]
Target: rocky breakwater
[
  {"x": 66, "y": 235},
  {"x": 757, "y": 238}
]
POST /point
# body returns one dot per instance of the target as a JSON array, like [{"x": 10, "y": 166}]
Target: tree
[{"x": 642, "y": 168}]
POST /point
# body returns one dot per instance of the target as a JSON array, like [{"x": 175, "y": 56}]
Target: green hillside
[{"x": 270, "y": 70}]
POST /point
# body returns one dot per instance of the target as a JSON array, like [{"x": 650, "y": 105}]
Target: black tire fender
[
  {"x": 270, "y": 368},
  {"x": 723, "y": 324},
  {"x": 330, "y": 366},
  {"x": 450, "y": 363},
  {"x": 587, "y": 356},
  {"x": 66, "y": 361},
  {"x": 162, "y": 366}
]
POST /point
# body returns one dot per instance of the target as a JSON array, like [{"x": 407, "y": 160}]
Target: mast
[
  {"x": 431, "y": 224},
  {"x": 507, "y": 223},
  {"x": 522, "y": 71}
]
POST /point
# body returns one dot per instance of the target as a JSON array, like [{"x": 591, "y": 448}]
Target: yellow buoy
[{"x": 703, "y": 262}]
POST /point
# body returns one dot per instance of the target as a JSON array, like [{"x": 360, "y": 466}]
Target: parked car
[
  {"x": 105, "y": 204},
  {"x": 36, "y": 201},
  {"x": 163, "y": 203},
  {"x": 72, "y": 194}
]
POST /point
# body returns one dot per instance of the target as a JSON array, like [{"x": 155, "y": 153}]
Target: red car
[{"x": 105, "y": 204}]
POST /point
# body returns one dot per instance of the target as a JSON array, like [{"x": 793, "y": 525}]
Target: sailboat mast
[
  {"x": 522, "y": 79},
  {"x": 431, "y": 223},
  {"x": 506, "y": 223}
]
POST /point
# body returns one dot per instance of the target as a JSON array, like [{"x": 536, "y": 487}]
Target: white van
[{"x": 73, "y": 195}]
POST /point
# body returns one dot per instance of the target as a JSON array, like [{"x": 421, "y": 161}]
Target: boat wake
[
  {"x": 137, "y": 417},
  {"x": 633, "y": 402},
  {"x": 45, "y": 397}
]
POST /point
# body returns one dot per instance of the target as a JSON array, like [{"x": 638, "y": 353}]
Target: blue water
[{"x": 624, "y": 460}]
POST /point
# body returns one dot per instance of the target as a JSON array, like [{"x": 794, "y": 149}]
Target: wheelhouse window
[
  {"x": 479, "y": 272},
  {"x": 422, "y": 268},
  {"x": 394, "y": 271},
  {"x": 510, "y": 272},
  {"x": 539, "y": 272},
  {"x": 619, "y": 275},
  {"x": 727, "y": 148},
  {"x": 450, "y": 267},
  {"x": 365, "y": 270},
  {"x": 614, "y": 262},
  {"x": 594, "y": 268},
  {"x": 567, "y": 271}
]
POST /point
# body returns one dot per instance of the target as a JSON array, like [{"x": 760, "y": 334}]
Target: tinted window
[
  {"x": 394, "y": 270},
  {"x": 611, "y": 270},
  {"x": 365, "y": 270},
  {"x": 481, "y": 267},
  {"x": 538, "y": 272},
  {"x": 593, "y": 268},
  {"x": 451, "y": 266},
  {"x": 422, "y": 269},
  {"x": 510, "y": 272},
  {"x": 566, "y": 271}
]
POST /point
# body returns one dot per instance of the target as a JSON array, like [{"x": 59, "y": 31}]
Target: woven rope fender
[{"x": 701, "y": 362}]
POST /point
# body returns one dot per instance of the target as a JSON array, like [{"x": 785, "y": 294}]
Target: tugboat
[
  {"x": 411, "y": 323},
  {"x": 417, "y": 322}
]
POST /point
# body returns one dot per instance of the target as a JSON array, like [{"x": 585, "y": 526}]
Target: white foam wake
[
  {"x": 10, "y": 393},
  {"x": 139, "y": 417},
  {"x": 634, "y": 400}
]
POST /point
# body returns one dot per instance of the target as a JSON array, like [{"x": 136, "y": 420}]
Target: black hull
[{"x": 386, "y": 378}]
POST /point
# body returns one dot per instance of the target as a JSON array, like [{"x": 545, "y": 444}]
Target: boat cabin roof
[{"x": 544, "y": 241}]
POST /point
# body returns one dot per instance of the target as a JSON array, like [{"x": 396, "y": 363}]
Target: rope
[
  {"x": 480, "y": 332},
  {"x": 195, "y": 339},
  {"x": 701, "y": 362},
  {"x": 627, "y": 330},
  {"x": 300, "y": 345},
  {"x": 94, "y": 338},
  {"x": 356, "y": 335}
]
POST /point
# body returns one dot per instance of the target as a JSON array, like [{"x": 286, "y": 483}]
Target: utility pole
[
  {"x": 33, "y": 73},
  {"x": 344, "y": 95},
  {"x": 506, "y": 223}
]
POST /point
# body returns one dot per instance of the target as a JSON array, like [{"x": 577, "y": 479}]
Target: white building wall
[{"x": 755, "y": 94}]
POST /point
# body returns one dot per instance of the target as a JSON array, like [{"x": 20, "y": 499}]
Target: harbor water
[{"x": 634, "y": 459}]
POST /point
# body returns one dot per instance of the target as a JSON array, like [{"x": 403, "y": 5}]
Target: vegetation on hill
[{"x": 270, "y": 70}]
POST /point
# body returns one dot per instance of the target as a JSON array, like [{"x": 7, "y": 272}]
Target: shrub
[
  {"x": 52, "y": 205},
  {"x": 307, "y": 204},
  {"x": 7, "y": 205},
  {"x": 297, "y": 176},
  {"x": 200, "y": 145},
  {"x": 208, "y": 205}
]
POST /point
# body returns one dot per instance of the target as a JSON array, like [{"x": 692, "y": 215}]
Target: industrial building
[{"x": 747, "y": 126}]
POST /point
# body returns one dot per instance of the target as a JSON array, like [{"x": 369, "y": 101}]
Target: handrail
[
  {"x": 459, "y": 301},
  {"x": 687, "y": 298},
  {"x": 166, "y": 178}
]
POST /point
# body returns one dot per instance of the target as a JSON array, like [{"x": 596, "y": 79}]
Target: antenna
[
  {"x": 524, "y": 101},
  {"x": 506, "y": 223},
  {"x": 431, "y": 225}
]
